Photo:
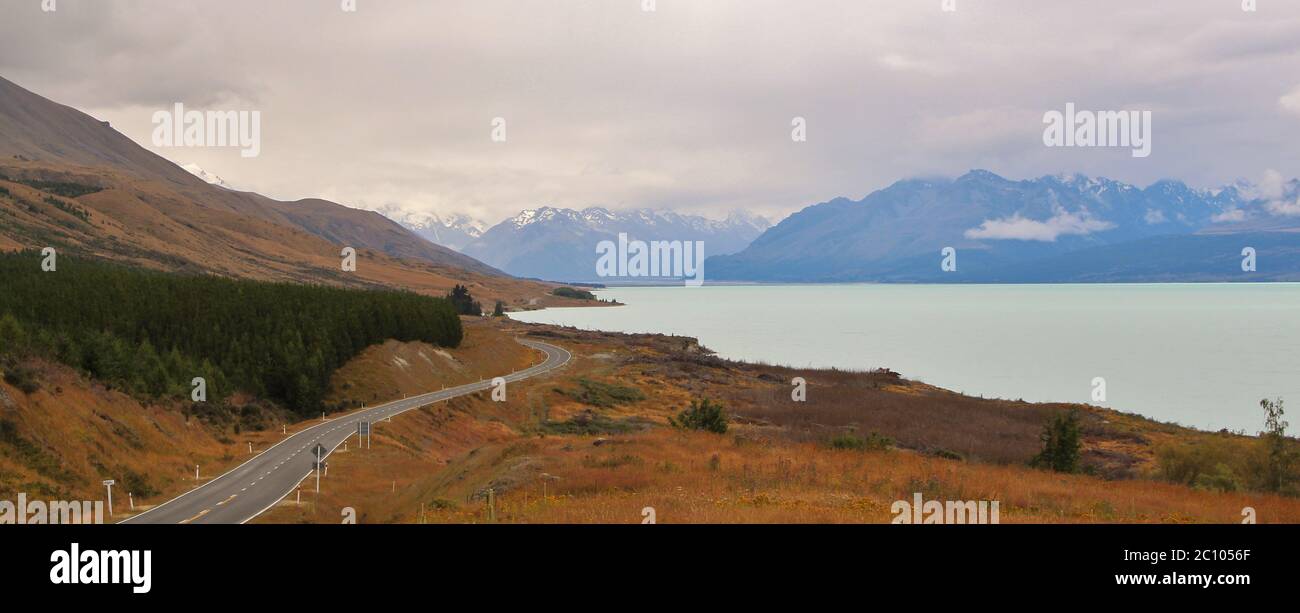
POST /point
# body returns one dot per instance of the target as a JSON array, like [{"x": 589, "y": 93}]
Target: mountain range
[
  {"x": 1068, "y": 228},
  {"x": 559, "y": 244},
  {"x": 68, "y": 180}
]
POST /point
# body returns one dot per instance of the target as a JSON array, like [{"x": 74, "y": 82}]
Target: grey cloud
[{"x": 688, "y": 107}]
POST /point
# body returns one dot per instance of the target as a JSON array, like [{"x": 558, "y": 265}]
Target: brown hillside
[{"x": 71, "y": 182}]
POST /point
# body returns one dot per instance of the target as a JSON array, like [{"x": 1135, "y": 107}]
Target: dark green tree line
[{"x": 153, "y": 332}]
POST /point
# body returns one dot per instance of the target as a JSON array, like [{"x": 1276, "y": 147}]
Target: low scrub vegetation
[
  {"x": 852, "y": 442},
  {"x": 15, "y": 373},
  {"x": 1229, "y": 463},
  {"x": 603, "y": 395},
  {"x": 703, "y": 415},
  {"x": 589, "y": 423},
  {"x": 67, "y": 207},
  {"x": 66, "y": 189}
]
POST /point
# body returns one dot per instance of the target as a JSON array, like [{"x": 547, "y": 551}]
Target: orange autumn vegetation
[{"x": 550, "y": 454}]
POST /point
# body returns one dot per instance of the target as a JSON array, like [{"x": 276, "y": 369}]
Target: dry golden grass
[
  {"x": 707, "y": 478},
  {"x": 773, "y": 466},
  {"x": 393, "y": 369},
  {"x": 79, "y": 433}
]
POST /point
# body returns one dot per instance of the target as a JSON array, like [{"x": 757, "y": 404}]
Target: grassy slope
[
  {"x": 72, "y": 433},
  {"x": 773, "y": 466},
  {"x": 158, "y": 225}
]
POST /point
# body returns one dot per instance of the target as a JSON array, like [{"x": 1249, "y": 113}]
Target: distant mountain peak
[
  {"x": 982, "y": 175},
  {"x": 207, "y": 177},
  {"x": 528, "y": 217},
  {"x": 739, "y": 216},
  {"x": 453, "y": 230},
  {"x": 559, "y": 244}
]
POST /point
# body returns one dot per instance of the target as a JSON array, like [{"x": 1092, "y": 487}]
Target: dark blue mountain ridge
[{"x": 1009, "y": 231}]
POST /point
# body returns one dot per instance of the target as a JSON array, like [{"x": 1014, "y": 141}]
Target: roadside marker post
[
  {"x": 108, "y": 483},
  {"x": 320, "y": 454},
  {"x": 130, "y": 498}
]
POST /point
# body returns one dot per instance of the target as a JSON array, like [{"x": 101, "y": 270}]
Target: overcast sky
[{"x": 688, "y": 107}]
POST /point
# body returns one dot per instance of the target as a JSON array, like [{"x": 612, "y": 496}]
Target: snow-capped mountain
[
  {"x": 452, "y": 231},
  {"x": 560, "y": 244},
  {"x": 1058, "y": 228},
  {"x": 195, "y": 170}
]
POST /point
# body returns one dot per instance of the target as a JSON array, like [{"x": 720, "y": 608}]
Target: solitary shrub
[
  {"x": 702, "y": 415},
  {"x": 1061, "y": 443},
  {"x": 1279, "y": 457},
  {"x": 442, "y": 504},
  {"x": 137, "y": 483}
]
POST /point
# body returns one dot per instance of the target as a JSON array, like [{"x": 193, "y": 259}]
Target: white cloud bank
[
  {"x": 1284, "y": 208},
  {"x": 1021, "y": 228},
  {"x": 1229, "y": 216},
  {"x": 687, "y": 107}
]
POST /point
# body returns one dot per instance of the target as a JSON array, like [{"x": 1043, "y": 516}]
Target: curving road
[{"x": 258, "y": 484}]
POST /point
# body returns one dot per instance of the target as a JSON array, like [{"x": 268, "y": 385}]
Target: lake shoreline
[{"x": 1188, "y": 353}]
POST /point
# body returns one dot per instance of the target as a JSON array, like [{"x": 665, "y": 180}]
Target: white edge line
[
  {"x": 345, "y": 416},
  {"x": 569, "y": 356},
  {"x": 252, "y": 459}
]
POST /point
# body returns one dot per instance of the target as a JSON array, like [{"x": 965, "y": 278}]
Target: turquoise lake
[{"x": 1202, "y": 355}]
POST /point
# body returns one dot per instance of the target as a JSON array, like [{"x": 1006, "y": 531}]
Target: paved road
[{"x": 256, "y": 485}]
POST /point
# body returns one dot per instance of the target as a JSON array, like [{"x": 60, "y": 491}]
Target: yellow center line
[
  {"x": 201, "y": 514},
  {"x": 232, "y": 497}
]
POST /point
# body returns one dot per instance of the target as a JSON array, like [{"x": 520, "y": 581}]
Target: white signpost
[
  {"x": 108, "y": 483},
  {"x": 320, "y": 455}
]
